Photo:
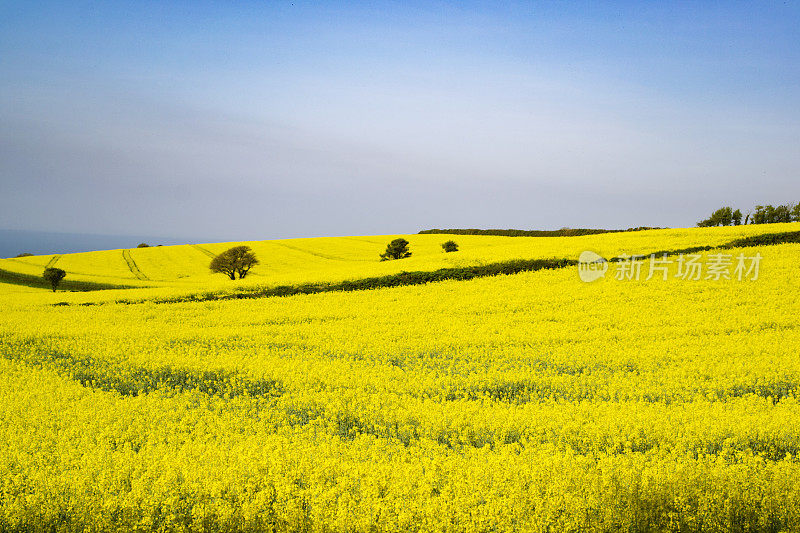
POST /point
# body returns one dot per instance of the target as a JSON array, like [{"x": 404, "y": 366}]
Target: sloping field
[
  {"x": 328, "y": 259},
  {"x": 529, "y": 402},
  {"x": 618, "y": 404}
]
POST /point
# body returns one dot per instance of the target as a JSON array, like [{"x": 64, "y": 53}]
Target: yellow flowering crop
[{"x": 531, "y": 402}]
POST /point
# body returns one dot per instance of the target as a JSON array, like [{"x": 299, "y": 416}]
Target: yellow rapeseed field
[{"x": 529, "y": 402}]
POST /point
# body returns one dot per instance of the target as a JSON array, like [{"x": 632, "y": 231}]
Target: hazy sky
[{"x": 235, "y": 120}]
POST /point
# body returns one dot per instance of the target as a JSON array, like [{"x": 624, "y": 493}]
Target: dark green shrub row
[
  {"x": 767, "y": 239},
  {"x": 564, "y": 232},
  {"x": 689, "y": 250},
  {"x": 392, "y": 280}
]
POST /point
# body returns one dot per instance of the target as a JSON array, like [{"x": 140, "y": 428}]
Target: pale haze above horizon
[{"x": 255, "y": 120}]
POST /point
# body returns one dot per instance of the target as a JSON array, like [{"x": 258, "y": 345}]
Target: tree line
[{"x": 762, "y": 214}]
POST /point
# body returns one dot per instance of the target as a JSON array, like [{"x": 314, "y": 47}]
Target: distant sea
[{"x": 15, "y": 242}]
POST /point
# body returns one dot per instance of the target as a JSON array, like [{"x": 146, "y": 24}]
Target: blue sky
[{"x": 212, "y": 121}]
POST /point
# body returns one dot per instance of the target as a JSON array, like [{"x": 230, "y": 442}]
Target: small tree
[
  {"x": 397, "y": 249},
  {"x": 737, "y": 218},
  {"x": 236, "y": 260},
  {"x": 24, "y": 254},
  {"x": 450, "y": 246},
  {"x": 54, "y": 276},
  {"x": 143, "y": 245}
]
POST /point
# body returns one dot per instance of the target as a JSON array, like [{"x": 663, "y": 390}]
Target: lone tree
[
  {"x": 450, "y": 246},
  {"x": 143, "y": 245},
  {"x": 54, "y": 276},
  {"x": 236, "y": 260},
  {"x": 397, "y": 249}
]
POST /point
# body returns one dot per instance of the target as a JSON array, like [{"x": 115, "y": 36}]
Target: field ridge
[{"x": 511, "y": 267}]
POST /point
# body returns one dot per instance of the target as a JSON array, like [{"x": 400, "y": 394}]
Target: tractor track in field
[
  {"x": 203, "y": 250},
  {"x": 52, "y": 262},
  {"x": 362, "y": 240},
  {"x": 315, "y": 254},
  {"x": 126, "y": 255}
]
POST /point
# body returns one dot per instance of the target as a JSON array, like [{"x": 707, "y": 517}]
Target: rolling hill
[{"x": 184, "y": 268}]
